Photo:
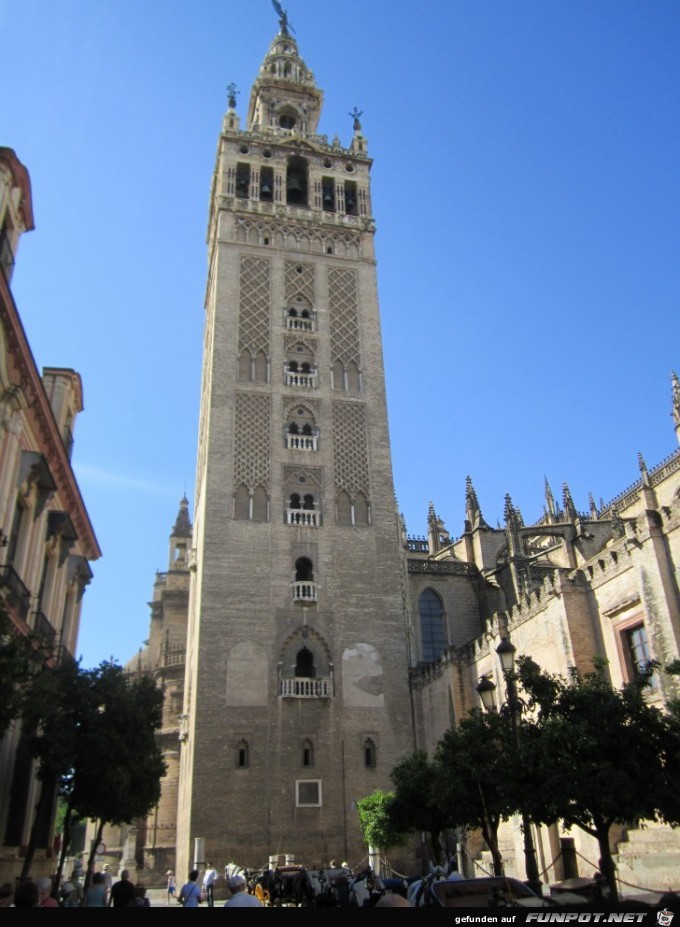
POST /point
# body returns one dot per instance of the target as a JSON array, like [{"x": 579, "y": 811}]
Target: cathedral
[{"x": 306, "y": 643}]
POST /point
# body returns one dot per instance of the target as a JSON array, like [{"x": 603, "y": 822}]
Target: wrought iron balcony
[
  {"x": 304, "y": 591},
  {"x": 44, "y": 631},
  {"x": 302, "y": 687},
  {"x": 17, "y": 595},
  {"x": 306, "y": 517},
  {"x": 301, "y": 442}
]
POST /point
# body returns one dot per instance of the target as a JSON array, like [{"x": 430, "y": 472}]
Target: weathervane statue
[{"x": 283, "y": 17}]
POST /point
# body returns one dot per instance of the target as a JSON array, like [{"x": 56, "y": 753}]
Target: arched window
[
  {"x": 304, "y": 664},
  {"x": 295, "y": 502},
  {"x": 308, "y": 502},
  {"x": 360, "y": 509},
  {"x": 369, "y": 753},
  {"x": 343, "y": 508},
  {"x": 432, "y": 635},
  {"x": 304, "y": 572},
  {"x": 307, "y": 753},
  {"x": 243, "y": 755},
  {"x": 259, "y": 504},
  {"x": 242, "y": 503}
]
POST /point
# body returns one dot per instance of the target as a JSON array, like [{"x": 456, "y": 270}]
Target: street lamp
[{"x": 513, "y": 706}]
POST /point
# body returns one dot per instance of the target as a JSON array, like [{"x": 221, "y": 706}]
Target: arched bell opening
[{"x": 297, "y": 182}]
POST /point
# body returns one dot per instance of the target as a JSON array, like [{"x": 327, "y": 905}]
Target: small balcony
[
  {"x": 302, "y": 442},
  {"x": 300, "y": 323},
  {"x": 304, "y": 380},
  {"x": 302, "y": 687},
  {"x": 308, "y": 518},
  {"x": 17, "y": 595},
  {"x": 304, "y": 592},
  {"x": 44, "y": 632}
]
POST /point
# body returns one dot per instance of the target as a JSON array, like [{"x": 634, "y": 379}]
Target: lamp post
[{"x": 513, "y": 707}]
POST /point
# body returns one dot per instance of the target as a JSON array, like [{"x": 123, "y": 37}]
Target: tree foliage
[
  {"x": 416, "y": 805},
  {"x": 601, "y": 756},
  {"x": 480, "y": 775},
  {"x": 377, "y": 827}
]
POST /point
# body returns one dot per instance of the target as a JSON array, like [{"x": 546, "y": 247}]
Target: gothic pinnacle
[
  {"x": 549, "y": 499},
  {"x": 568, "y": 502}
]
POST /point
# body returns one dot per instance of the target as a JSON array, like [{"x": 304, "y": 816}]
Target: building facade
[
  {"x": 294, "y": 696},
  {"x": 46, "y": 539},
  {"x": 311, "y": 642}
]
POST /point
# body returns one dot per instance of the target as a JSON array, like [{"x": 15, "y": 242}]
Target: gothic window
[
  {"x": 296, "y": 179},
  {"x": 353, "y": 381},
  {"x": 328, "y": 194},
  {"x": 307, "y": 753},
  {"x": 352, "y": 511},
  {"x": 242, "y": 180},
  {"x": 360, "y": 509},
  {"x": 301, "y": 433},
  {"x": 343, "y": 509},
  {"x": 301, "y": 510},
  {"x": 339, "y": 376},
  {"x": 369, "y": 754},
  {"x": 432, "y": 636},
  {"x": 259, "y": 504},
  {"x": 260, "y": 368},
  {"x": 304, "y": 664},
  {"x": 251, "y": 506},
  {"x": 243, "y": 755},
  {"x": 242, "y": 503}
]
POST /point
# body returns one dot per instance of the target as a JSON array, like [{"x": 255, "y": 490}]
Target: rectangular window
[
  {"x": 637, "y": 652},
  {"x": 308, "y": 793},
  {"x": 243, "y": 180}
]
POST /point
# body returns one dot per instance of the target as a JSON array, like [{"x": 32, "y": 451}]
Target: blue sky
[{"x": 527, "y": 198}]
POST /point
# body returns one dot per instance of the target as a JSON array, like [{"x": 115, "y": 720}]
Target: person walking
[
  {"x": 96, "y": 896},
  {"x": 209, "y": 880},
  {"x": 122, "y": 892},
  {"x": 239, "y": 896},
  {"x": 172, "y": 883},
  {"x": 190, "y": 896}
]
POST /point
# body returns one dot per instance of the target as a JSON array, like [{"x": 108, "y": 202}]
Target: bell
[
  {"x": 328, "y": 198},
  {"x": 266, "y": 189},
  {"x": 294, "y": 185}
]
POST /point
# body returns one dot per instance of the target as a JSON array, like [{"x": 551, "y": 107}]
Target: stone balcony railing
[
  {"x": 296, "y": 323},
  {"x": 301, "y": 442},
  {"x": 305, "y": 517},
  {"x": 304, "y": 591},
  {"x": 302, "y": 687},
  {"x": 304, "y": 380}
]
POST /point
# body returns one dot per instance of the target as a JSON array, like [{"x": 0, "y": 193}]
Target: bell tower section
[{"x": 296, "y": 694}]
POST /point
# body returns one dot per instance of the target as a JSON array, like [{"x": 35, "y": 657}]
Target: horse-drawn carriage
[{"x": 297, "y": 886}]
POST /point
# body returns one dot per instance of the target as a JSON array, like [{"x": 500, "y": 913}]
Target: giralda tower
[{"x": 296, "y": 693}]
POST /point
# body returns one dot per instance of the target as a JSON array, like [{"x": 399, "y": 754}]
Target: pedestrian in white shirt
[{"x": 209, "y": 879}]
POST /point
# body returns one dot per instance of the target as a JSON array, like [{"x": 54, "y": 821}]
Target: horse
[
  {"x": 419, "y": 893},
  {"x": 330, "y": 887},
  {"x": 366, "y": 889}
]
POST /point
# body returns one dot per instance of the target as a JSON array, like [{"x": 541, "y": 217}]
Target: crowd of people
[{"x": 102, "y": 892}]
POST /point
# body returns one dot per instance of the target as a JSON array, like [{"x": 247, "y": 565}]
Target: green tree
[
  {"x": 374, "y": 820},
  {"x": 480, "y": 772},
  {"x": 601, "y": 756},
  {"x": 119, "y": 768},
  {"x": 416, "y": 802}
]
